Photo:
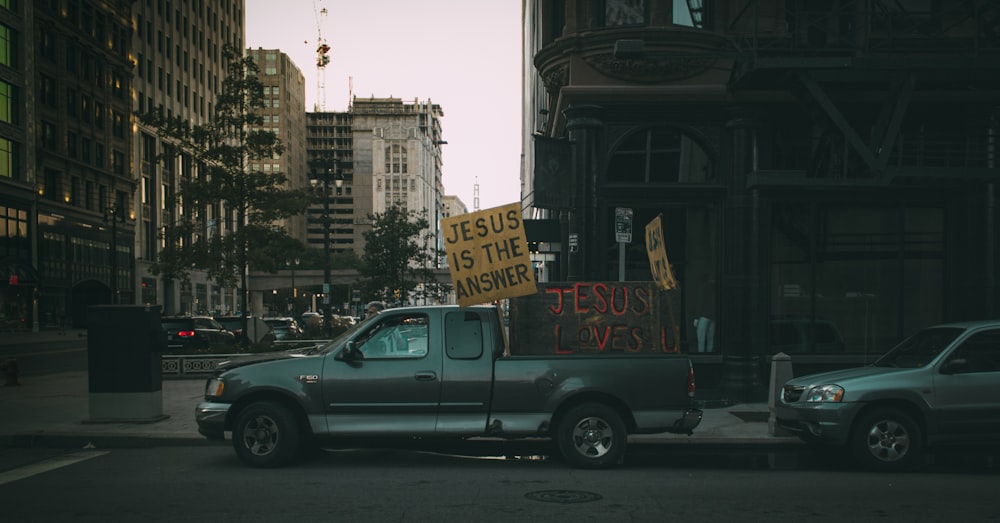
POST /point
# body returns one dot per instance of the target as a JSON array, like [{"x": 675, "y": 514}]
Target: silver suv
[{"x": 936, "y": 387}]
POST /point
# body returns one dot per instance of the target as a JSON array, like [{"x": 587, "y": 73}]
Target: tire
[
  {"x": 886, "y": 440},
  {"x": 266, "y": 435},
  {"x": 591, "y": 436}
]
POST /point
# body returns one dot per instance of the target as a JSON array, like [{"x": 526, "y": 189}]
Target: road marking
[{"x": 50, "y": 464}]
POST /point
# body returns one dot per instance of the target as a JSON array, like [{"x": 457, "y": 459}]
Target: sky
[{"x": 463, "y": 55}]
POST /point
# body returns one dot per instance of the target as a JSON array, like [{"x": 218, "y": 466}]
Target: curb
[{"x": 77, "y": 441}]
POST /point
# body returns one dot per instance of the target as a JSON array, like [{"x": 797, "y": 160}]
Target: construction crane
[{"x": 322, "y": 57}]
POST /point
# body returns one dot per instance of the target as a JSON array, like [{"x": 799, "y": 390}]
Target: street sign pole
[{"x": 623, "y": 234}]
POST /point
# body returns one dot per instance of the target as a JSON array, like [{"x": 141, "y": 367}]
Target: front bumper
[
  {"x": 820, "y": 422},
  {"x": 211, "y": 418}
]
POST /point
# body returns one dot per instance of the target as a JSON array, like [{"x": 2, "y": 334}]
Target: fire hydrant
[{"x": 9, "y": 368}]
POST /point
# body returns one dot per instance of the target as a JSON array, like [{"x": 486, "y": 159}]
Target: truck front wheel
[
  {"x": 591, "y": 436},
  {"x": 266, "y": 435}
]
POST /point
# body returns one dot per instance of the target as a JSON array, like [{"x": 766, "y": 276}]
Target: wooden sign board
[
  {"x": 657, "y": 250},
  {"x": 488, "y": 256},
  {"x": 566, "y": 318}
]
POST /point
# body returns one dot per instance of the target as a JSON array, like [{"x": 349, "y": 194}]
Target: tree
[
  {"x": 397, "y": 258},
  {"x": 248, "y": 202}
]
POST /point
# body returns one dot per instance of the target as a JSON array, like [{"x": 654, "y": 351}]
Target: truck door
[
  {"x": 966, "y": 392},
  {"x": 468, "y": 371},
  {"x": 395, "y": 388}
]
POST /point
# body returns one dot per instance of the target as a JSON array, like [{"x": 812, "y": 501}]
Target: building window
[
  {"x": 856, "y": 278},
  {"x": 8, "y": 47},
  {"x": 47, "y": 88},
  {"x": 8, "y": 103},
  {"x": 8, "y": 159},
  {"x": 49, "y": 139},
  {"x": 624, "y": 12},
  {"x": 659, "y": 155},
  {"x": 395, "y": 159}
]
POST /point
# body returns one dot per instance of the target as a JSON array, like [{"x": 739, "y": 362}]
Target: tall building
[
  {"x": 330, "y": 157},
  {"x": 452, "y": 206},
  {"x": 392, "y": 158},
  {"x": 284, "y": 114},
  {"x": 178, "y": 69},
  {"x": 825, "y": 171},
  {"x": 65, "y": 155}
]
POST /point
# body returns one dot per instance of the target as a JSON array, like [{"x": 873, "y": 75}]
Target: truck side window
[
  {"x": 396, "y": 337},
  {"x": 463, "y": 335}
]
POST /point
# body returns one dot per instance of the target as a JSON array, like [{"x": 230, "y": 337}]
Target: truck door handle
[{"x": 426, "y": 375}]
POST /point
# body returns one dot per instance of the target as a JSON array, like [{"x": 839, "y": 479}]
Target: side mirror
[
  {"x": 351, "y": 352},
  {"x": 954, "y": 366}
]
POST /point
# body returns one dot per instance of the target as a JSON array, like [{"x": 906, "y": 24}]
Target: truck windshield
[{"x": 920, "y": 349}]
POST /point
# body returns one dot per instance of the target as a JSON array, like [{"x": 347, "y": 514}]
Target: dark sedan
[{"x": 188, "y": 334}]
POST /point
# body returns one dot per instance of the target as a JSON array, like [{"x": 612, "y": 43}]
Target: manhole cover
[{"x": 563, "y": 496}]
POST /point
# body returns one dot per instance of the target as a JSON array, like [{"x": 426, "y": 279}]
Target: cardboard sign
[
  {"x": 656, "y": 248},
  {"x": 488, "y": 256},
  {"x": 566, "y": 318}
]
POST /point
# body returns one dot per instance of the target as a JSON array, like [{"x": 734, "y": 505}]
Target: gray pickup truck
[
  {"x": 443, "y": 372},
  {"x": 939, "y": 386}
]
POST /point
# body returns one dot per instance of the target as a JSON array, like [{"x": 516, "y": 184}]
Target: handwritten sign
[
  {"x": 566, "y": 318},
  {"x": 659, "y": 265},
  {"x": 488, "y": 255}
]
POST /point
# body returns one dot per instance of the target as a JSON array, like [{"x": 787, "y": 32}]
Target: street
[
  {"x": 57, "y": 353},
  {"x": 210, "y": 484}
]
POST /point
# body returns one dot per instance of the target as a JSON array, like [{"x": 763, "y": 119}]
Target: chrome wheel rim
[
  {"x": 593, "y": 437},
  {"x": 888, "y": 441},
  {"x": 260, "y": 435}
]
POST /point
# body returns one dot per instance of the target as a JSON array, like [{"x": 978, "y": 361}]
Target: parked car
[
  {"x": 233, "y": 324},
  {"x": 196, "y": 334},
  {"x": 284, "y": 328},
  {"x": 937, "y": 387}
]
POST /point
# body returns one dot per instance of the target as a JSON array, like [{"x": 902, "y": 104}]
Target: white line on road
[{"x": 50, "y": 464}]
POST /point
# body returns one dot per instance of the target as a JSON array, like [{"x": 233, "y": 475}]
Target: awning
[{"x": 16, "y": 271}]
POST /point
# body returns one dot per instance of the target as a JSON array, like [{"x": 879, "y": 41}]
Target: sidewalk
[{"x": 54, "y": 410}]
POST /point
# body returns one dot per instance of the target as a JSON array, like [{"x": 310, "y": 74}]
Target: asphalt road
[
  {"x": 210, "y": 484},
  {"x": 48, "y": 357}
]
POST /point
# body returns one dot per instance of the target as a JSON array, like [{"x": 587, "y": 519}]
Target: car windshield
[{"x": 920, "y": 349}]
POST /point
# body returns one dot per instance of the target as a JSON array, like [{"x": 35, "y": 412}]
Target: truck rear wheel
[
  {"x": 591, "y": 436},
  {"x": 266, "y": 435},
  {"x": 886, "y": 440}
]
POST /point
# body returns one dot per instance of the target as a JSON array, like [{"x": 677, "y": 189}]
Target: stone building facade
[{"x": 825, "y": 171}]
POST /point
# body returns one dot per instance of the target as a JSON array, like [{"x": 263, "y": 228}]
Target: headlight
[
  {"x": 214, "y": 388},
  {"x": 826, "y": 393}
]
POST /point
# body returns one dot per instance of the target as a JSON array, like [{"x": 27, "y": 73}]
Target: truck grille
[{"x": 791, "y": 393}]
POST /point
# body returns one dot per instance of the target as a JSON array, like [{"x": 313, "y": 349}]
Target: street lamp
[
  {"x": 112, "y": 216},
  {"x": 328, "y": 174},
  {"x": 293, "y": 264}
]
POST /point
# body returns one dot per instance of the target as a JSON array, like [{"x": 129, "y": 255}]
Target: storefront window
[{"x": 853, "y": 279}]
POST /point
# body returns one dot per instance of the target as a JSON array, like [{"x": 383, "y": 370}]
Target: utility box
[{"x": 125, "y": 344}]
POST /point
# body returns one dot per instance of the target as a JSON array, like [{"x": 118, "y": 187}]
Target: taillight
[
  {"x": 185, "y": 334},
  {"x": 691, "y": 381}
]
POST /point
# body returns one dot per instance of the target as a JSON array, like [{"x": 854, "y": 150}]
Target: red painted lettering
[
  {"x": 558, "y": 309},
  {"x": 558, "y": 331},
  {"x": 602, "y": 341},
  {"x": 600, "y": 291},
  {"x": 581, "y": 295}
]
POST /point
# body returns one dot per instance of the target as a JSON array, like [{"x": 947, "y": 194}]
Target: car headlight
[
  {"x": 214, "y": 388},
  {"x": 825, "y": 394}
]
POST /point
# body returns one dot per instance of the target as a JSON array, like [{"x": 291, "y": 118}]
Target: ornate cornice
[{"x": 649, "y": 70}]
